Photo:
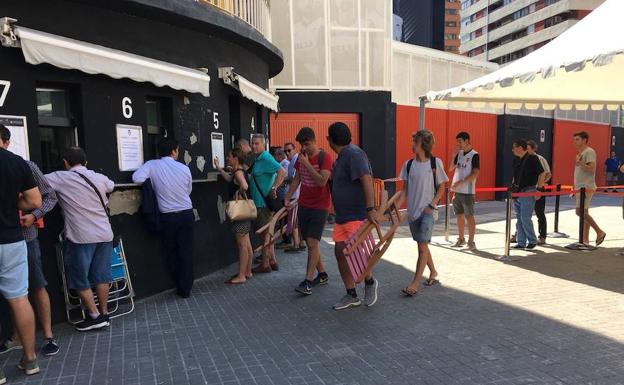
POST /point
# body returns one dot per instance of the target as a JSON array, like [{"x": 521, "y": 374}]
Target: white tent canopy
[
  {"x": 41, "y": 47},
  {"x": 582, "y": 67}
]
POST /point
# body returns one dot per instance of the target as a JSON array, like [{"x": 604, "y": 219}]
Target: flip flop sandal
[
  {"x": 431, "y": 282},
  {"x": 292, "y": 250},
  {"x": 231, "y": 282},
  {"x": 409, "y": 292},
  {"x": 600, "y": 240},
  {"x": 236, "y": 275}
]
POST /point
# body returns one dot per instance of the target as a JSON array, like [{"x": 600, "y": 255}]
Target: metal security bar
[{"x": 254, "y": 12}]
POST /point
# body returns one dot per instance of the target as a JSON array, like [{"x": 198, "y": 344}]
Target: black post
[
  {"x": 582, "y": 216},
  {"x": 505, "y": 256},
  {"x": 446, "y": 215},
  {"x": 557, "y": 199}
]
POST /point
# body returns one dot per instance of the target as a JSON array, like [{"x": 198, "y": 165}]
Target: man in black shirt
[
  {"x": 528, "y": 176},
  {"x": 18, "y": 191}
]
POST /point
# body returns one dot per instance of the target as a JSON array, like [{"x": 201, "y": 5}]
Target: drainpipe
[{"x": 421, "y": 113}]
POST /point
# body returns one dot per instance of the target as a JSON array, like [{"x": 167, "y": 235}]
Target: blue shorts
[
  {"x": 422, "y": 228},
  {"x": 36, "y": 279},
  {"x": 13, "y": 270},
  {"x": 88, "y": 264}
]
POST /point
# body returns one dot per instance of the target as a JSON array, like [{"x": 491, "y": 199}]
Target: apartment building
[
  {"x": 452, "y": 25},
  {"x": 502, "y": 31}
]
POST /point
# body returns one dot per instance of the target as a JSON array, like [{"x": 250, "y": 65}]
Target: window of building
[
  {"x": 451, "y": 24},
  {"x": 450, "y": 36},
  {"x": 159, "y": 121},
  {"x": 451, "y": 11},
  {"x": 57, "y": 129},
  {"x": 531, "y": 28}
]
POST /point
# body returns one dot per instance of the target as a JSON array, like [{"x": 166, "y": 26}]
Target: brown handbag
[{"x": 241, "y": 208}]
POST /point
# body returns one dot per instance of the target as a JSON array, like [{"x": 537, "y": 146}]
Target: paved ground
[{"x": 549, "y": 317}]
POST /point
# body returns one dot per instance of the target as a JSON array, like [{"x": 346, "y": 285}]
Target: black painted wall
[
  {"x": 377, "y": 120},
  {"x": 98, "y": 100},
  {"x": 513, "y": 127},
  {"x": 617, "y": 133}
]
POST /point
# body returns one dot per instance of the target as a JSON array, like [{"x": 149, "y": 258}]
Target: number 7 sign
[{"x": 5, "y": 90}]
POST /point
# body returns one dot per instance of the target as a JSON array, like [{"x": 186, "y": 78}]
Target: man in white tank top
[{"x": 465, "y": 168}]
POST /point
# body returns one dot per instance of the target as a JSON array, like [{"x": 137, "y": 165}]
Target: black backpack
[{"x": 434, "y": 166}]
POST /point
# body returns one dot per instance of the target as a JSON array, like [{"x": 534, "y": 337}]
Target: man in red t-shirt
[{"x": 313, "y": 171}]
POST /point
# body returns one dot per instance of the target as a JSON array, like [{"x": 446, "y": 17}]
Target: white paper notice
[
  {"x": 217, "y": 147},
  {"x": 129, "y": 147},
  {"x": 19, "y": 134}
]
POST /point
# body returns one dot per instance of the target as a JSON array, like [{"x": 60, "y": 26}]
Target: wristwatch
[{"x": 432, "y": 207}]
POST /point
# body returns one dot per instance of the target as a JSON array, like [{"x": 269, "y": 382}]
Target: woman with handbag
[{"x": 240, "y": 210}]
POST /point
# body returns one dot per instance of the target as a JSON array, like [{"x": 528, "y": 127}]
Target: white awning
[
  {"x": 582, "y": 67},
  {"x": 248, "y": 89},
  {"x": 40, "y": 47}
]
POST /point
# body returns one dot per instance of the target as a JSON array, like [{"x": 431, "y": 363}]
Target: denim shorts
[
  {"x": 13, "y": 270},
  {"x": 88, "y": 264},
  {"x": 36, "y": 279},
  {"x": 422, "y": 228}
]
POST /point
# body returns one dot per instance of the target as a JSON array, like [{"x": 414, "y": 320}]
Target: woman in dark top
[{"x": 237, "y": 185}]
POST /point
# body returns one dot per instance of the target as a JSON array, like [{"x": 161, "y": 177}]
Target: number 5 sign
[{"x": 4, "y": 91}]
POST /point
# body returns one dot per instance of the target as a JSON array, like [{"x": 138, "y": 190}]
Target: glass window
[
  {"x": 158, "y": 120},
  {"x": 57, "y": 131},
  {"x": 51, "y": 102}
]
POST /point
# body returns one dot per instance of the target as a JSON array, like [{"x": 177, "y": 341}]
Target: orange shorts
[{"x": 342, "y": 231}]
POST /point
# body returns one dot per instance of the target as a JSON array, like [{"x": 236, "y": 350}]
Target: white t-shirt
[
  {"x": 465, "y": 163},
  {"x": 545, "y": 165},
  {"x": 420, "y": 189}
]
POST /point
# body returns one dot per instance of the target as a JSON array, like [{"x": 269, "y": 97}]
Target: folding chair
[
  {"x": 121, "y": 293},
  {"x": 366, "y": 247},
  {"x": 282, "y": 222}
]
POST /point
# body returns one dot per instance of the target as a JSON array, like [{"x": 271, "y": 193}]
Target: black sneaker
[
  {"x": 50, "y": 348},
  {"x": 518, "y": 247},
  {"x": 320, "y": 279},
  {"x": 9, "y": 345},
  {"x": 531, "y": 246},
  {"x": 304, "y": 287},
  {"x": 92, "y": 324},
  {"x": 107, "y": 318}
]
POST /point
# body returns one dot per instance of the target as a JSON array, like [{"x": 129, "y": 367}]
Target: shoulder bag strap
[
  {"x": 434, "y": 169},
  {"x": 97, "y": 192}
]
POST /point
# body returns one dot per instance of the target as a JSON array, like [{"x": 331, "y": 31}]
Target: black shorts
[{"x": 311, "y": 222}]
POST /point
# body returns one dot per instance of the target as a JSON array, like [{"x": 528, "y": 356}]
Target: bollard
[
  {"x": 580, "y": 245},
  {"x": 556, "y": 233},
  {"x": 447, "y": 215},
  {"x": 582, "y": 216},
  {"x": 505, "y": 256}
]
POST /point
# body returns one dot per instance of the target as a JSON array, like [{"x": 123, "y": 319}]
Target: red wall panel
[
  {"x": 564, "y": 152},
  {"x": 285, "y": 126},
  {"x": 445, "y": 124}
]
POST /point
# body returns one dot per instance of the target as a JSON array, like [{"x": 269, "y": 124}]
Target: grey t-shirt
[
  {"x": 420, "y": 188},
  {"x": 584, "y": 178},
  {"x": 347, "y": 193}
]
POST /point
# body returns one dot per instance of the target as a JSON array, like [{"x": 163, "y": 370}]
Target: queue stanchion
[
  {"x": 557, "y": 233},
  {"x": 447, "y": 215},
  {"x": 505, "y": 256},
  {"x": 580, "y": 245}
]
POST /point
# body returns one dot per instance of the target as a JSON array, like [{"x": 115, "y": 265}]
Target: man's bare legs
[
  {"x": 472, "y": 227},
  {"x": 424, "y": 260},
  {"x": 314, "y": 259},
  {"x": 461, "y": 223},
  {"x": 589, "y": 222},
  {"x": 42, "y": 305},
  {"x": 24, "y": 323}
]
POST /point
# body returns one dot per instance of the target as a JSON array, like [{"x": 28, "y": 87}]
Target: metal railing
[{"x": 254, "y": 12}]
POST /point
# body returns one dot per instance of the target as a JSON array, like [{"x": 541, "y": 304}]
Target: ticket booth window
[
  {"x": 158, "y": 119},
  {"x": 57, "y": 131}
]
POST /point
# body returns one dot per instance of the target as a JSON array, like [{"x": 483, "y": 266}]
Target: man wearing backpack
[
  {"x": 313, "y": 171},
  {"x": 88, "y": 247},
  {"x": 424, "y": 178}
]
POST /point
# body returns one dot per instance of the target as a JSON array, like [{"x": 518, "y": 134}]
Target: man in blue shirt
[
  {"x": 353, "y": 196},
  {"x": 266, "y": 176},
  {"x": 172, "y": 183},
  {"x": 612, "y": 168}
]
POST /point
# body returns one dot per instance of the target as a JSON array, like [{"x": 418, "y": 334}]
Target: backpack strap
[{"x": 434, "y": 166}]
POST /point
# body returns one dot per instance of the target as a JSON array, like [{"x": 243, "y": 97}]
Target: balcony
[{"x": 254, "y": 12}]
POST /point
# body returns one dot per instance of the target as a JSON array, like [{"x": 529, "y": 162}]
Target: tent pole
[{"x": 421, "y": 113}]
